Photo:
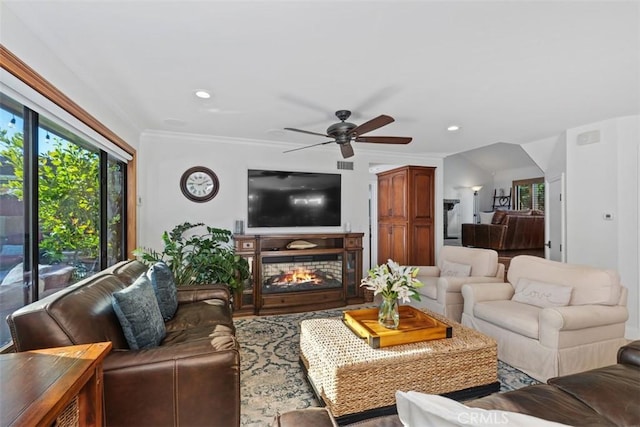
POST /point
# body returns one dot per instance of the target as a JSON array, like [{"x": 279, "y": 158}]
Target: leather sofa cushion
[
  {"x": 544, "y": 401},
  {"x": 607, "y": 390},
  {"x": 194, "y": 334},
  {"x": 498, "y": 217},
  {"x": 216, "y": 312}
]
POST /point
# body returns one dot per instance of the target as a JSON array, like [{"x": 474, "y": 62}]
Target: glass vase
[{"x": 388, "y": 314}]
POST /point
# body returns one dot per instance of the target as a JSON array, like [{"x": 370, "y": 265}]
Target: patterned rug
[{"x": 271, "y": 379}]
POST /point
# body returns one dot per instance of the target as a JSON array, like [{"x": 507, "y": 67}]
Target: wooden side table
[{"x": 62, "y": 385}]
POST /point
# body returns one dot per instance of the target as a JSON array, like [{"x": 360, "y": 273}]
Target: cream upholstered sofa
[
  {"x": 550, "y": 318},
  {"x": 441, "y": 290}
]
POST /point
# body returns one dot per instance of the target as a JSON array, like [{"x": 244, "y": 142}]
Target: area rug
[{"x": 271, "y": 379}]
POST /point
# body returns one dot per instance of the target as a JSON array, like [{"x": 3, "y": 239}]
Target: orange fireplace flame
[{"x": 300, "y": 276}]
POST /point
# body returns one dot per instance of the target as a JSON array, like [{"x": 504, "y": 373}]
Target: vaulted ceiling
[{"x": 505, "y": 71}]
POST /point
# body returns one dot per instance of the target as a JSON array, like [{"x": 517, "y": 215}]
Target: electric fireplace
[
  {"x": 300, "y": 273},
  {"x": 324, "y": 272}
]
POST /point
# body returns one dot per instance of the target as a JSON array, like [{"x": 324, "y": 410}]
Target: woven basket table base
[{"x": 351, "y": 377}]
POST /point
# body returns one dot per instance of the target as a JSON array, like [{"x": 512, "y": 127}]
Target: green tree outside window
[{"x": 68, "y": 191}]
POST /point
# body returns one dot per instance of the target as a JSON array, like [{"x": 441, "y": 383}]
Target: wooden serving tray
[{"x": 415, "y": 325}]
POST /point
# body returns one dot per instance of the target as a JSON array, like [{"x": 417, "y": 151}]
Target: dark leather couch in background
[
  {"x": 515, "y": 231},
  {"x": 191, "y": 379},
  {"x": 600, "y": 397}
]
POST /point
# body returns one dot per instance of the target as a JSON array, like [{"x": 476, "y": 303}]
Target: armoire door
[{"x": 392, "y": 243}]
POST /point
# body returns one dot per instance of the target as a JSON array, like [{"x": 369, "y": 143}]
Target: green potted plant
[{"x": 197, "y": 259}]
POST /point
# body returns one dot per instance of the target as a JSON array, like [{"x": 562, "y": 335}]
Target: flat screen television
[{"x": 293, "y": 199}]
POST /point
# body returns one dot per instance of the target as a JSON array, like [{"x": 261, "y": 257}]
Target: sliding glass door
[{"x": 62, "y": 207}]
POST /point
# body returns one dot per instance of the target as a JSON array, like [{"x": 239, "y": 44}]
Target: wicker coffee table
[{"x": 356, "y": 381}]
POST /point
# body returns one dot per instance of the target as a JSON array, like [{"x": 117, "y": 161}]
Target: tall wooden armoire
[{"x": 406, "y": 215}]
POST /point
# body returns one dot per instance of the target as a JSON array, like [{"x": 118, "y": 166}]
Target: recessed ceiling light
[
  {"x": 203, "y": 94},
  {"x": 453, "y": 128}
]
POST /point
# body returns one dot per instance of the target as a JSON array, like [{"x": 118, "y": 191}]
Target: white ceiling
[
  {"x": 506, "y": 71},
  {"x": 498, "y": 157}
]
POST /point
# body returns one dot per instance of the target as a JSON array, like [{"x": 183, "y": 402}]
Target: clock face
[{"x": 199, "y": 184}]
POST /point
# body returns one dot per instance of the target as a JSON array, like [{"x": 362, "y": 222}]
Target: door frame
[{"x": 550, "y": 201}]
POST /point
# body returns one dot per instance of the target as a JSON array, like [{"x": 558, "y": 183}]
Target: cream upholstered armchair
[
  {"x": 550, "y": 318},
  {"x": 456, "y": 266}
]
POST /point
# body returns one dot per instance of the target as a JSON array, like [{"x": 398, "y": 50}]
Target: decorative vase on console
[{"x": 393, "y": 282}]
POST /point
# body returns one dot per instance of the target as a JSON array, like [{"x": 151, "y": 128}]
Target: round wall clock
[{"x": 199, "y": 184}]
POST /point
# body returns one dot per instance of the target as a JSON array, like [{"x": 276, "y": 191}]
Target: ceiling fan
[{"x": 343, "y": 133}]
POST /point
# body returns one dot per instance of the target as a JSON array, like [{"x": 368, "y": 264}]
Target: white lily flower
[{"x": 393, "y": 281}]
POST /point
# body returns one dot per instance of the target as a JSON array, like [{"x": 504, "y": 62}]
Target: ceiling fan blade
[
  {"x": 347, "y": 150},
  {"x": 384, "y": 139},
  {"x": 302, "y": 102},
  {"x": 308, "y": 132},
  {"x": 308, "y": 146},
  {"x": 372, "y": 124},
  {"x": 376, "y": 98}
]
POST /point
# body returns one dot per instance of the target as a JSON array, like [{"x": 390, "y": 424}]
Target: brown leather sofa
[
  {"x": 509, "y": 230},
  {"x": 191, "y": 379},
  {"x": 600, "y": 397}
]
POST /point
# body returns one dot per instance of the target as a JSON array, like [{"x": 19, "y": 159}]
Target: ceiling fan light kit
[{"x": 343, "y": 133}]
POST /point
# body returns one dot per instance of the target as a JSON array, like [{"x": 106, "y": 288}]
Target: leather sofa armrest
[
  {"x": 630, "y": 354},
  {"x": 524, "y": 232},
  {"x": 576, "y": 317},
  {"x": 190, "y": 383},
  {"x": 473, "y": 293},
  {"x": 123, "y": 359},
  {"x": 187, "y": 294}
]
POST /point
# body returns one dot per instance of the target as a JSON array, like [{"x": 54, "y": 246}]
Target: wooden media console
[{"x": 300, "y": 272}]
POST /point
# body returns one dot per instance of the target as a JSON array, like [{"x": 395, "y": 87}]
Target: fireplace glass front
[{"x": 301, "y": 273}]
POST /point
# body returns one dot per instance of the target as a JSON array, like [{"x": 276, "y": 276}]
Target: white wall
[
  {"x": 504, "y": 178},
  {"x": 459, "y": 176},
  {"x": 548, "y": 153},
  {"x": 163, "y": 157},
  {"x": 21, "y": 42},
  {"x": 603, "y": 178}
]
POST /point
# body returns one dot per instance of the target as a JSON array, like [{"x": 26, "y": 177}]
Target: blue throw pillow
[
  {"x": 164, "y": 286},
  {"x": 137, "y": 309}
]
